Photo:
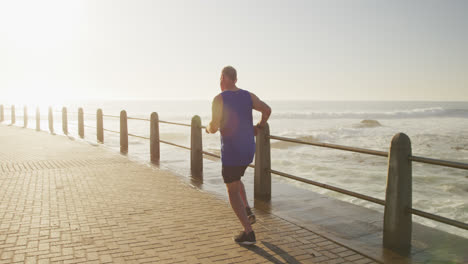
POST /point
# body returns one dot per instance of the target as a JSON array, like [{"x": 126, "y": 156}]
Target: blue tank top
[{"x": 237, "y": 132}]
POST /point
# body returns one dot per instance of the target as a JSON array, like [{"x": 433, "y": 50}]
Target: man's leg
[
  {"x": 248, "y": 210},
  {"x": 237, "y": 204},
  {"x": 243, "y": 195}
]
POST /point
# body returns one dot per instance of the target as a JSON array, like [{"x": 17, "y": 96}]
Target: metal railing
[
  {"x": 398, "y": 201},
  {"x": 438, "y": 162}
]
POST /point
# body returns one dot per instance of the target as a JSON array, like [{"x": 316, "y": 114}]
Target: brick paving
[{"x": 67, "y": 201}]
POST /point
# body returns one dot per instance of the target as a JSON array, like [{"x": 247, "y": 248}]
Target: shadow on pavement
[{"x": 283, "y": 254}]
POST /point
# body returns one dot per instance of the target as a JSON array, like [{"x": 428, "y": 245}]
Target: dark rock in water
[
  {"x": 458, "y": 148},
  {"x": 369, "y": 123}
]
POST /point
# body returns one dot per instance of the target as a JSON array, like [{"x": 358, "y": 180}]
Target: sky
[{"x": 306, "y": 50}]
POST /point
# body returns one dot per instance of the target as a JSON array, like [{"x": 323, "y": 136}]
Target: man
[{"x": 232, "y": 115}]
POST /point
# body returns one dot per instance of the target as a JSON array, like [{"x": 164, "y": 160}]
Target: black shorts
[{"x": 233, "y": 173}]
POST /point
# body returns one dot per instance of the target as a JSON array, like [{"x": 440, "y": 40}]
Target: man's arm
[
  {"x": 262, "y": 107},
  {"x": 216, "y": 114}
]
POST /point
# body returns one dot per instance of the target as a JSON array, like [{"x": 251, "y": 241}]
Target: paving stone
[{"x": 66, "y": 201}]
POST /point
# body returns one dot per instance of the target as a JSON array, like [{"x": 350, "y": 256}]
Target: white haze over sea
[{"x": 436, "y": 129}]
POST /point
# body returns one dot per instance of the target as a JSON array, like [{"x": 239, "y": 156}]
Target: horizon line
[{"x": 7, "y": 101}]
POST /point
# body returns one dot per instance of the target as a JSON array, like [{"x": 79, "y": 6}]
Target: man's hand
[
  {"x": 256, "y": 130},
  {"x": 211, "y": 129}
]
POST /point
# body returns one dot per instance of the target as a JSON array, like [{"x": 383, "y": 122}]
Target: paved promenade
[{"x": 67, "y": 201}]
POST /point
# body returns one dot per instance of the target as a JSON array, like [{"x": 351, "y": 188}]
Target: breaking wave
[{"x": 399, "y": 114}]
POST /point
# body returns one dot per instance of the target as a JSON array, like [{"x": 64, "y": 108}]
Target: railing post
[
  {"x": 80, "y": 122},
  {"x": 1, "y": 113},
  {"x": 38, "y": 119},
  {"x": 154, "y": 138},
  {"x": 262, "y": 175},
  {"x": 196, "y": 152},
  {"x": 123, "y": 132},
  {"x": 99, "y": 126},
  {"x": 13, "y": 115},
  {"x": 398, "y": 198},
  {"x": 51, "y": 120},
  {"x": 25, "y": 116},
  {"x": 64, "y": 121}
]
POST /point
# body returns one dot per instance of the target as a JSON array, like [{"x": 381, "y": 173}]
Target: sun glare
[{"x": 38, "y": 97}]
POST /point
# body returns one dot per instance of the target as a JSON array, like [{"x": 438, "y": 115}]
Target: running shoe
[{"x": 246, "y": 239}]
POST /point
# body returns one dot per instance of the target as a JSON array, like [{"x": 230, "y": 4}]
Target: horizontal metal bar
[
  {"x": 111, "y": 116},
  {"x": 113, "y": 131},
  {"x": 89, "y": 126},
  {"x": 136, "y": 118},
  {"x": 439, "y": 218},
  {"x": 445, "y": 163},
  {"x": 60, "y": 111},
  {"x": 176, "y": 145},
  {"x": 329, "y": 187},
  {"x": 333, "y": 146},
  {"x": 174, "y": 123},
  {"x": 173, "y": 144},
  {"x": 132, "y": 135},
  {"x": 161, "y": 121},
  {"x": 217, "y": 156},
  {"x": 211, "y": 154}
]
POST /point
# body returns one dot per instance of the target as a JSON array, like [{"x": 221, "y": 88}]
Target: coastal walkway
[{"x": 69, "y": 201}]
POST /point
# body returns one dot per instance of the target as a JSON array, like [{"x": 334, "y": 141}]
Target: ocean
[{"x": 437, "y": 130}]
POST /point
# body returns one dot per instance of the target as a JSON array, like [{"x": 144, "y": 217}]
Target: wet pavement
[{"x": 66, "y": 201}]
